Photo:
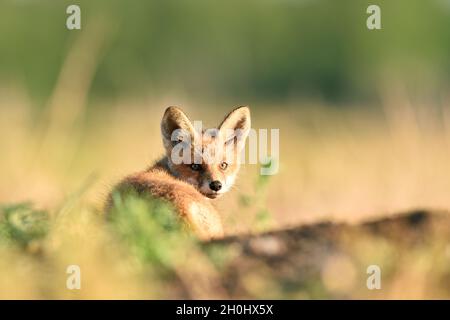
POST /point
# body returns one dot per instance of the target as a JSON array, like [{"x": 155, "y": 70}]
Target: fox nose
[{"x": 215, "y": 185}]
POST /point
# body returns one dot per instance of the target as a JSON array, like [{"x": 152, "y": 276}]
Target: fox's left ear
[{"x": 236, "y": 126}]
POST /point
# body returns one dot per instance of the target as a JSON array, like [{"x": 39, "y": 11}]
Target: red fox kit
[{"x": 199, "y": 165}]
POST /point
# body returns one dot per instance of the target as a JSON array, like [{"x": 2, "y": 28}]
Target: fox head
[{"x": 207, "y": 159}]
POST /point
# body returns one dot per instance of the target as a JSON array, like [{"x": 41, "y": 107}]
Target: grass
[
  {"x": 140, "y": 241},
  {"x": 341, "y": 165},
  {"x": 22, "y": 225},
  {"x": 57, "y": 166}
]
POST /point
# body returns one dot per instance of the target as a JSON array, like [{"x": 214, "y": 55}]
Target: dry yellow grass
[
  {"x": 344, "y": 164},
  {"x": 336, "y": 163}
]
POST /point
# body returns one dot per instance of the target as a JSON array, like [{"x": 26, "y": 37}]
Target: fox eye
[
  {"x": 223, "y": 165},
  {"x": 196, "y": 167}
]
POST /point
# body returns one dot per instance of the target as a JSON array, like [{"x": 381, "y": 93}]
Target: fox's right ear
[{"x": 175, "y": 119}]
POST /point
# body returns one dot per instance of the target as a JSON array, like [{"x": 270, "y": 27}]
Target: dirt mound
[{"x": 327, "y": 260}]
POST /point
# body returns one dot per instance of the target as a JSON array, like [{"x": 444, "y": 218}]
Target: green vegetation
[
  {"x": 21, "y": 224},
  {"x": 250, "y": 51},
  {"x": 150, "y": 228}
]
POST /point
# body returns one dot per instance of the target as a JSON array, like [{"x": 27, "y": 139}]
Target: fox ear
[
  {"x": 175, "y": 119},
  {"x": 236, "y": 126}
]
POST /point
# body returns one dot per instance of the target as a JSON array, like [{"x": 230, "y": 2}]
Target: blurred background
[{"x": 364, "y": 115}]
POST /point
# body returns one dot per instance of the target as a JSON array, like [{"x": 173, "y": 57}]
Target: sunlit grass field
[
  {"x": 344, "y": 163},
  {"x": 338, "y": 162}
]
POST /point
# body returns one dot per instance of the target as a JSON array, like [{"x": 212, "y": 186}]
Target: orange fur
[{"x": 188, "y": 190}]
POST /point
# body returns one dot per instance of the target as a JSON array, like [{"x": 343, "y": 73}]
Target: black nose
[{"x": 215, "y": 185}]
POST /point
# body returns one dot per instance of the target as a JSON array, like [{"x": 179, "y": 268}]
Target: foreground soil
[{"x": 327, "y": 260}]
